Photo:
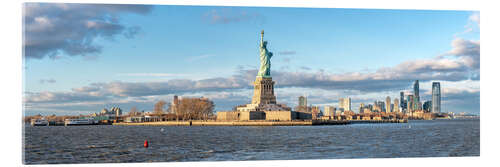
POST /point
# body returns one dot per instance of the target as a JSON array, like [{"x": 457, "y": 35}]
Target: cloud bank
[{"x": 55, "y": 29}]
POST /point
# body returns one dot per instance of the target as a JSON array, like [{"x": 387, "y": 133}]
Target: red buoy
[{"x": 146, "y": 143}]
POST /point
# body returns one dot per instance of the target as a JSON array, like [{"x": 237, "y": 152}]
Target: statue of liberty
[{"x": 265, "y": 58}]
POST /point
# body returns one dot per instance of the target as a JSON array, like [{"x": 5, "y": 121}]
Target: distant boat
[
  {"x": 39, "y": 122},
  {"x": 70, "y": 122}
]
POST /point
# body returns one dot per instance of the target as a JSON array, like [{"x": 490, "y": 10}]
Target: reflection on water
[{"x": 99, "y": 144}]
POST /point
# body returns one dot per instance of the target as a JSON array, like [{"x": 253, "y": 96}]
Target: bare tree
[
  {"x": 133, "y": 111},
  {"x": 158, "y": 108},
  {"x": 195, "y": 108}
]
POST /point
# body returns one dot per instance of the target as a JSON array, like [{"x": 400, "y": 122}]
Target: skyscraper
[
  {"x": 409, "y": 104},
  {"x": 303, "y": 101},
  {"x": 416, "y": 94},
  {"x": 402, "y": 101},
  {"x": 396, "y": 105},
  {"x": 175, "y": 104},
  {"x": 345, "y": 103},
  {"x": 436, "y": 97},
  {"x": 379, "y": 106},
  {"x": 361, "y": 107},
  {"x": 348, "y": 104},
  {"x": 388, "y": 104},
  {"x": 341, "y": 104}
]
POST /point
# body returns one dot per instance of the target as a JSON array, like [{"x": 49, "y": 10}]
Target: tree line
[{"x": 185, "y": 109}]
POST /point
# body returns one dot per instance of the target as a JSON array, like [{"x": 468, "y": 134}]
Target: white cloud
[
  {"x": 475, "y": 17},
  {"x": 53, "y": 29}
]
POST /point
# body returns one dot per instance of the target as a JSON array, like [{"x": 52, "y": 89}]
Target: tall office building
[
  {"x": 436, "y": 97},
  {"x": 396, "y": 105},
  {"x": 379, "y": 106},
  {"x": 303, "y": 101},
  {"x": 388, "y": 104},
  {"x": 416, "y": 94},
  {"x": 345, "y": 103},
  {"x": 402, "y": 103},
  {"x": 175, "y": 104},
  {"x": 348, "y": 104},
  {"x": 409, "y": 104},
  {"x": 341, "y": 104}
]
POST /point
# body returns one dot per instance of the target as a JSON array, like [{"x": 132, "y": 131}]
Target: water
[{"x": 101, "y": 144}]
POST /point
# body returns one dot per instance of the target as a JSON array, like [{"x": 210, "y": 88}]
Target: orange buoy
[{"x": 146, "y": 143}]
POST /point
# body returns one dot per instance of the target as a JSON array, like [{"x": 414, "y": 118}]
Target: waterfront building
[
  {"x": 436, "y": 97},
  {"x": 113, "y": 111},
  {"x": 387, "y": 104},
  {"x": 396, "y": 105},
  {"x": 316, "y": 112}
]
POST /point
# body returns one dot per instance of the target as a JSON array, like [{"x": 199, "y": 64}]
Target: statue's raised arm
[{"x": 262, "y": 39}]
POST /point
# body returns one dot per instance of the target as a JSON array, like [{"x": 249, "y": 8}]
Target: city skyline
[{"x": 129, "y": 57}]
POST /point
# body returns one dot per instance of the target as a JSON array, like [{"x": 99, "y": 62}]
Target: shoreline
[{"x": 258, "y": 123}]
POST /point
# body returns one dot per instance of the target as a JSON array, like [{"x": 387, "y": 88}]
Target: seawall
[{"x": 255, "y": 123}]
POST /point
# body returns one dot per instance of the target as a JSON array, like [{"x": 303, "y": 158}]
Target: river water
[{"x": 106, "y": 143}]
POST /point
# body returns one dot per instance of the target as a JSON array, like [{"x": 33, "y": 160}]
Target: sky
[{"x": 81, "y": 58}]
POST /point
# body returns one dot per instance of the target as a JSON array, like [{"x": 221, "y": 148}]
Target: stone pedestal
[{"x": 263, "y": 91}]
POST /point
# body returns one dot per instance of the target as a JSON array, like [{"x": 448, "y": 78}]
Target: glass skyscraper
[
  {"x": 416, "y": 93},
  {"x": 436, "y": 97},
  {"x": 409, "y": 103},
  {"x": 402, "y": 102}
]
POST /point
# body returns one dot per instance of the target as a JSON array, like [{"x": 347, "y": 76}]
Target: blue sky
[{"x": 82, "y": 58}]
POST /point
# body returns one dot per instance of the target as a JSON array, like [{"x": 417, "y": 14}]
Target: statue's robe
[{"x": 265, "y": 61}]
